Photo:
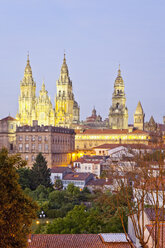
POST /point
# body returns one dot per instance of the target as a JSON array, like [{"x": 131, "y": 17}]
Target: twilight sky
[{"x": 97, "y": 35}]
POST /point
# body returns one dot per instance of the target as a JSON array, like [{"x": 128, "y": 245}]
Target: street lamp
[{"x": 42, "y": 215}]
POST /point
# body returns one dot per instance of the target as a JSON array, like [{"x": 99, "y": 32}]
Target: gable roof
[
  {"x": 151, "y": 214},
  {"x": 72, "y": 241},
  {"x": 8, "y": 118}
]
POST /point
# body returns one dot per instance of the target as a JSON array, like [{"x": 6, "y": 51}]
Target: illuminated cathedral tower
[
  {"x": 44, "y": 110},
  {"x": 118, "y": 113},
  {"x": 27, "y": 98},
  {"x": 32, "y": 108},
  {"x": 139, "y": 117},
  {"x": 66, "y": 108}
]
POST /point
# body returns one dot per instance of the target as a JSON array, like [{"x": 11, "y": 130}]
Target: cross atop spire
[
  {"x": 28, "y": 69},
  {"x": 43, "y": 86},
  {"x": 64, "y": 68},
  {"x": 119, "y": 71}
]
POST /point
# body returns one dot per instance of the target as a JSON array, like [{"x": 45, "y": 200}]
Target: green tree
[
  {"x": 58, "y": 184},
  {"x": 16, "y": 209},
  {"x": 40, "y": 172},
  {"x": 24, "y": 177},
  {"x": 78, "y": 220}
]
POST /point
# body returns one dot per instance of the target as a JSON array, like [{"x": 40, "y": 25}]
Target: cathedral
[
  {"x": 66, "y": 112},
  {"x": 32, "y": 108}
]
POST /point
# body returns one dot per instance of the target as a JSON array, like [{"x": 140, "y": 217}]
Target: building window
[
  {"x": 33, "y": 158},
  {"x": 26, "y": 137},
  {"x": 11, "y": 147},
  {"x": 46, "y": 147},
  {"x": 46, "y": 138},
  {"x": 39, "y": 138},
  {"x": 39, "y": 147},
  {"x": 33, "y": 147},
  {"x": 26, "y": 147},
  {"x": 20, "y": 147},
  {"x": 33, "y": 138},
  {"x": 26, "y": 157},
  {"x": 20, "y": 138},
  {"x": 86, "y": 168}
]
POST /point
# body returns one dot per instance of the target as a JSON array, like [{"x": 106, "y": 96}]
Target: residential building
[
  {"x": 148, "y": 220},
  {"x": 91, "y": 164},
  {"x": 55, "y": 143},
  {"x": 106, "y": 148},
  {"x": 7, "y": 133},
  {"x": 59, "y": 173},
  {"x": 100, "y": 184},
  {"x": 78, "y": 179}
]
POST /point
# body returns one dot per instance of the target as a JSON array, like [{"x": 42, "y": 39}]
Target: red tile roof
[
  {"x": 131, "y": 146},
  {"x": 77, "y": 176},
  {"x": 102, "y": 131},
  {"x": 59, "y": 169},
  {"x": 160, "y": 233},
  {"x": 100, "y": 182},
  {"x": 72, "y": 241},
  {"x": 152, "y": 214},
  {"x": 109, "y": 131}
]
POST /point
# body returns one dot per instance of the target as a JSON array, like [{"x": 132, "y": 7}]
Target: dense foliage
[
  {"x": 38, "y": 175},
  {"x": 16, "y": 209},
  {"x": 72, "y": 210},
  {"x": 76, "y": 211}
]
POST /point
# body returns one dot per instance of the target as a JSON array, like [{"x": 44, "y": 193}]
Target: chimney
[{"x": 35, "y": 123}]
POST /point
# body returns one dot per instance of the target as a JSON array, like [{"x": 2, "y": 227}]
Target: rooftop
[
  {"x": 60, "y": 169},
  {"x": 152, "y": 214},
  {"x": 160, "y": 233},
  {"x": 8, "y": 118},
  {"x": 109, "y": 131},
  {"x": 51, "y": 129},
  {"x": 77, "y": 176},
  {"x": 129, "y": 146},
  {"x": 100, "y": 182},
  {"x": 77, "y": 241}
]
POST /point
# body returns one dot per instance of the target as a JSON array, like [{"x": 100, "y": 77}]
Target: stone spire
[
  {"x": 66, "y": 108},
  {"x": 43, "y": 86},
  {"x": 64, "y": 68},
  {"x": 28, "y": 70},
  {"x": 139, "y": 109},
  {"x": 139, "y": 117}
]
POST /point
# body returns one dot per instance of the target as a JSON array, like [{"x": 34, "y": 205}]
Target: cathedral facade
[{"x": 33, "y": 108}]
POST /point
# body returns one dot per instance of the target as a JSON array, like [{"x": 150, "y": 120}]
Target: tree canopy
[
  {"x": 40, "y": 172},
  {"x": 16, "y": 209}
]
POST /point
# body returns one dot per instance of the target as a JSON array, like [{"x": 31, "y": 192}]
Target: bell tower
[
  {"x": 118, "y": 112},
  {"x": 139, "y": 117},
  {"x": 27, "y": 98},
  {"x": 66, "y": 108}
]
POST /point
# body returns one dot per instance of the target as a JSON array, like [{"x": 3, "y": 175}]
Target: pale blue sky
[{"x": 97, "y": 35}]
